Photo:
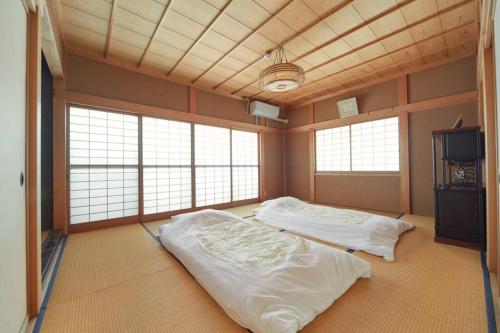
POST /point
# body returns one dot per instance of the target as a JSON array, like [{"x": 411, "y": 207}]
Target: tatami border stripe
[
  {"x": 400, "y": 216},
  {"x": 157, "y": 238},
  {"x": 43, "y": 308},
  {"x": 488, "y": 297}
]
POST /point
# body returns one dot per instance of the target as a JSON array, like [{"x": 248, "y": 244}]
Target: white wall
[{"x": 13, "y": 30}]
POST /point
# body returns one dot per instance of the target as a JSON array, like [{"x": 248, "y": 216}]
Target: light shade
[{"x": 281, "y": 76}]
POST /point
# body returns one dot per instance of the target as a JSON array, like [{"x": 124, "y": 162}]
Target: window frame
[
  {"x": 357, "y": 172},
  {"x": 141, "y": 217}
]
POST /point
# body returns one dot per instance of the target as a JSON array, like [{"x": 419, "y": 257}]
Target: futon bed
[
  {"x": 353, "y": 229},
  {"x": 267, "y": 281}
]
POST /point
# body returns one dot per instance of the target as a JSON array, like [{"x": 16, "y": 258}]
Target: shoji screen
[
  {"x": 333, "y": 149},
  {"x": 213, "y": 165},
  {"x": 375, "y": 145},
  {"x": 103, "y": 161},
  {"x": 245, "y": 165},
  {"x": 166, "y": 151}
]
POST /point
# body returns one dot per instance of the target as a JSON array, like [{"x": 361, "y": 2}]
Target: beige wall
[
  {"x": 297, "y": 165},
  {"x": 421, "y": 125},
  {"x": 273, "y": 168},
  {"x": 369, "y": 192},
  {"x": 448, "y": 79}
]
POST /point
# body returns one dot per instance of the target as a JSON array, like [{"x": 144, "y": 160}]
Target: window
[
  {"x": 110, "y": 152},
  {"x": 166, "y": 150},
  {"x": 375, "y": 145},
  {"x": 103, "y": 161},
  {"x": 333, "y": 149},
  {"x": 245, "y": 165},
  {"x": 368, "y": 146},
  {"x": 213, "y": 165}
]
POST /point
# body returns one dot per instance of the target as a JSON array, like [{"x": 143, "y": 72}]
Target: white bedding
[
  {"x": 356, "y": 230},
  {"x": 267, "y": 281}
]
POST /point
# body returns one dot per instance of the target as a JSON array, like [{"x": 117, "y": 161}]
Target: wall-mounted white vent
[
  {"x": 268, "y": 111},
  {"x": 347, "y": 107}
]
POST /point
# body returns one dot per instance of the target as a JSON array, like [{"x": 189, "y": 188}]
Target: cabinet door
[{"x": 459, "y": 215}]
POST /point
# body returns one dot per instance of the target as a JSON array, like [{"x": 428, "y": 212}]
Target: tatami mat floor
[{"x": 121, "y": 279}]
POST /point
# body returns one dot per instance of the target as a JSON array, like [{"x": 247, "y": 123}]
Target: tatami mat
[
  {"x": 121, "y": 279},
  {"x": 430, "y": 287}
]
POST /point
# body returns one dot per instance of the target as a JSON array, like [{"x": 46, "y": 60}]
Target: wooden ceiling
[{"x": 219, "y": 44}]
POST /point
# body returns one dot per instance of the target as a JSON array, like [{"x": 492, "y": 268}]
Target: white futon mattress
[
  {"x": 356, "y": 230},
  {"x": 267, "y": 281}
]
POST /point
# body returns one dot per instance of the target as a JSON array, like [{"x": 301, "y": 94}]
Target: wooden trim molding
[
  {"x": 32, "y": 163},
  {"x": 434, "y": 103},
  {"x": 73, "y": 97},
  {"x": 110, "y": 28},
  {"x": 491, "y": 159}
]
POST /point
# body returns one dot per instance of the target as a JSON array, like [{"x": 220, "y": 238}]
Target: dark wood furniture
[{"x": 458, "y": 189}]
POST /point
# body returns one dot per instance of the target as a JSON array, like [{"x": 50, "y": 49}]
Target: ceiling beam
[
  {"x": 342, "y": 35},
  {"x": 110, "y": 28},
  {"x": 406, "y": 28},
  {"x": 155, "y": 33},
  {"x": 202, "y": 35},
  {"x": 295, "y": 35},
  {"x": 250, "y": 34},
  {"x": 391, "y": 66}
]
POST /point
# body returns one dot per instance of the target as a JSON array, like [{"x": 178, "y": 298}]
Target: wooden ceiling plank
[
  {"x": 227, "y": 54},
  {"x": 401, "y": 30},
  {"x": 349, "y": 31},
  {"x": 110, "y": 28},
  {"x": 155, "y": 33},
  {"x": 399, "y": 73},
  {"x": 203, "y": 34},
  {"x": 389, "y": 54},
  {"x": 297, "y": 34}
]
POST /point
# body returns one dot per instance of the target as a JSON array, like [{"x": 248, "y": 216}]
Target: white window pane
[
  {"x": 212, "y": 145},
  {"x": 333, "y": 149},
  {"x": 100, "y": 138},
  {"x": 213, "y": 191}
]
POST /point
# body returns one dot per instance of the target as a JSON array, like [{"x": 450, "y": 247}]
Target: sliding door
[
  {"x": 245, "y": 165},
  {"x": 104, "y": 165},
  {"x": 166, "y": 150},
  {"x": 213, "y": 165}
]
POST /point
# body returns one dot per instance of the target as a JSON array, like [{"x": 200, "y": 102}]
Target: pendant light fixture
[{"x": 281, "y": 76}]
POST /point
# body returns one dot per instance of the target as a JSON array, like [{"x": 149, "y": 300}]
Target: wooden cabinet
[{"x": 458, "y": 192}]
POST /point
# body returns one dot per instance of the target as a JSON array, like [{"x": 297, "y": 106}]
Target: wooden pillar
[
  {"x": 488, "y": 103},
  {"x": 404, "y": 153},
  {"x": 312, "y": 156},
  {"x": 33, "y": 163},
  {"x": 262, "y": 167}
]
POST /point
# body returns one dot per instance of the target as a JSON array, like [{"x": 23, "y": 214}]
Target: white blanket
[
  {"x": 356, "y": 230},
  {"x": 267, "y": 281}
]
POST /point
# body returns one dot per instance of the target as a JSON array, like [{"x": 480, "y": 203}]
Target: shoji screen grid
[
  {"x": 245, "y": 165},
  {"x": 103, "y": 161},
  {"x": 166, "y": 151},
  {"x": 333, "y": 149},
  {"x": 212, "y": 165},
  {"x": 375, "y": 145}
]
